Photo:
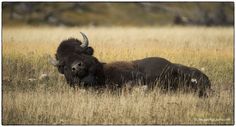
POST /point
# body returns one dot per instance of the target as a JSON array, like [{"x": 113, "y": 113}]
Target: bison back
[{"x": 152, "y": 67}]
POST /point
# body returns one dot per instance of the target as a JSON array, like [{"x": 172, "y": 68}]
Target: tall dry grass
[{"x": 52, "y": 101}]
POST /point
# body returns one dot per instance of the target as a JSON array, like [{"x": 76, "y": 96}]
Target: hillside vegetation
[{"x": 125, "y": 14}]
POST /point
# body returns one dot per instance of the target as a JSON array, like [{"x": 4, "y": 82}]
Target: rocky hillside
[{"x": 108, "y": 14}]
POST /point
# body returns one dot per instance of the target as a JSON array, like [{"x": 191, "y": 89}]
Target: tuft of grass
[{"x": 30, "y": 100}]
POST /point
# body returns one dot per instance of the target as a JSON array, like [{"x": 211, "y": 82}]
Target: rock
[
  {"x": 32, "y": 79},
  {"x": 44, "y": 77},
  {"x": 202, "y": 69},
  {"x": 145, "y": 88}
]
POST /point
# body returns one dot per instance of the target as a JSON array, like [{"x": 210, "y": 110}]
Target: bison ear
[
  {"x": 60, "y": 67},
  {"x": 52, "y": 60},
  {"x": 89, "y": 51}
]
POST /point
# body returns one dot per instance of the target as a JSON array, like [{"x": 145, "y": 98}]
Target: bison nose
[{"x": 73, "y": 68}]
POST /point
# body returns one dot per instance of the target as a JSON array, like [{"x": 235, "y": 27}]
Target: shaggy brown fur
[
  {"x": 67, "y": 48},
  {"x": 80, "y": 67},
  {"x": 121, "y": 72}
]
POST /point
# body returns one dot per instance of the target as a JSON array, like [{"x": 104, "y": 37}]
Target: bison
[{"x": 75, "y": 60}]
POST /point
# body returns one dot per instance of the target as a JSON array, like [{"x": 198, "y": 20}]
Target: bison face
[
  {"x": 78, "y": 68},
  {"x": 74, "y": 59},
  {"x": 82, "y": 69}
]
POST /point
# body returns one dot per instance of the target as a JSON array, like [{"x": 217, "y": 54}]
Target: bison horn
[
  {"x": 53, "y": 61},
  {"x": 85, "y": 43}
]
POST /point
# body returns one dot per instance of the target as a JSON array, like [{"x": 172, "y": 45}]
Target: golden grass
[{"x": 25, "y": 53}]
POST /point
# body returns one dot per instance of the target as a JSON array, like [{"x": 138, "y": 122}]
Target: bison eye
[{"x": 79, "y": 64}]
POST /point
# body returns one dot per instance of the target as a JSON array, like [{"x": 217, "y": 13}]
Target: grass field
[{"x": 29, "y": 99}]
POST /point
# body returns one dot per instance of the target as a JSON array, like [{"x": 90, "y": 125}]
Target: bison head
[
  {"x": 74, "y": 59},
  {"x": 82, "y": 69},
  {"x": 68, "y": 47}
]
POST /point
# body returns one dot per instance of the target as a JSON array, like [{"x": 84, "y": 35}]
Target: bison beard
[{"x": 75, "y": 61}]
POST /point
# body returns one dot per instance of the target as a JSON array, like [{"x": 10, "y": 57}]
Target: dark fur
[
  {"x": 68, "y": 47},
  {"x": 90, "y": 72},
  {"x": 153, "y": 71},
  {"x": 119, "y": 73},
  {"x": 156, "y": 71},
  {"x": 181, "y": 77}
]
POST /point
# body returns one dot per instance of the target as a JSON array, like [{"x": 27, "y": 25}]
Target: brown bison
[{"x": 74, "y": 59}]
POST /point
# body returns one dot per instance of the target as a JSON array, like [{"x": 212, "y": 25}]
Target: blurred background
[{"x": 118, "y": 14}]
